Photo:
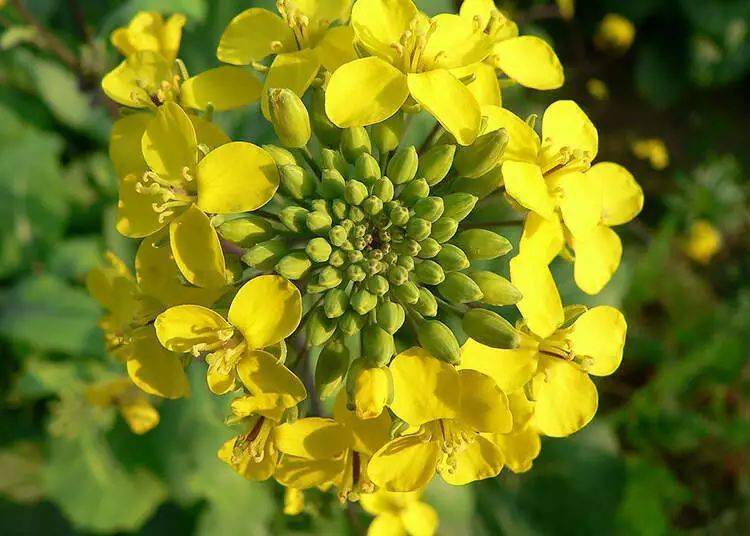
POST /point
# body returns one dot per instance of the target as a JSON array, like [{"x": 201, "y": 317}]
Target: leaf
[
  {"x": 73, "y": 258},
  {"x": 193, "y": 9},
  {"x": 42, "y": 378},
  {"x": 20, "y": 468}
]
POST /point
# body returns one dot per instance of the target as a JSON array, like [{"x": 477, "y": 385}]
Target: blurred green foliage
[{"x": 670, "y": 449}]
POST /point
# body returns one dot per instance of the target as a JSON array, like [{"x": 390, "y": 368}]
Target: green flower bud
[
  {"x": 355, "y": 369},
  {"x": 355, "y": 192},
  {"x": 355, "y": 256},
  {"x": 407, "y": 261},
  {"x": 481, "y": 156},
  {"x": 356, "y": 273},
  {"x": 429, "y": 247},
  {"x": 429, "y": 273},
  {"x": 318, "y": 249},
  {"x": 320, "y": 205},
  {"x": 247, "y": 231},
  {"x": 444, "y": 229},
  {"x": 481, "y": 186},
  {"x": 366, "y": 168},
  {"x": 320, "y": 328},
  {"x": 427, "y": 304},
  {"x": 403, "y": 166},
  {"x": 459, "y": 288},
  {"x": 350, "y": 323},
  {"x": 335, "y": 303},
  {"x": 297, "y": 182},
  {"x": 439, "y": 341},
  {"x": 390, "y": 316},
  {"x": 318, "y": 222},
  {"x": 496, "y": 289},
  {"x": 386, "y": 135},
  {"x": 339, "y": 209},
  {"x": 399, "y": 215},
  {"x": 281, "y": 156},
  {"x": 429, "y": 208},
  {"x": 452, "y": 258},
  {"x": 408, "y": 292},
  {"x": 414, "y": 191},
  {"x": 289, "y": 117},
  {"x": 460, "y": 205},
  {"x": 294, "y": 265},
  {"x": 354, "y": 142},
  {"x": 383, "y": 189},
  {"x": 482, "y": 245},
  {"x": 398, "y": 275},
  {"x": 356, "y": 214},
  {"x": 338, "y": 235},
  {"x": 331, "y": 159},
  {"x": 294, "y": 218},
  {"x": 418, "y": 229},
  {"x": 328, "y": 133},
  {"x": 331, "y": 368},
  {"x": 378, "y": 285},
  {"x": 265, "y": 255},
  {"x": 332, "y": 184},
  {"x": 337, "y": 258},
  {"x": 435, "y": 164},
  {"x": 377, "y": 345},
  {"x": 372, "y": 205},
  {"x": 407, "y": 247},
  {"x": 329, "y": 277},
  {"x": 490, "y": 329}
]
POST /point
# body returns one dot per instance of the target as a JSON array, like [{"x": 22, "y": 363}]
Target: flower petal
[
  {"x": 481, "y": 459},
  {"x": 153, "y": 368},
  {"x": 540, "y": 306},
  {"x": 449, "y": 101},
  {"x": 336, "y": 47},
  {"x": 266, "y": 310},
  {"x": 406, "y": 463},
  {"x": 511, "y": 369},
  {"x": 599, "y": 334},
  {"x": 484, "y": 86},
  {"x": 293, "y": 70},
  {"x": 325, "y": 10},
  {"x": 565, "y": 125},
  {"x": 226, "y": 88},
  {"x": 598, "y": 255},
  {"x": 236, "y": 177},
  {"x": 580, "y": 205},
  {"x": 249, "y": 37},
  {"x": 484, "y": 406},
  {"x": 381, "y": 90},
  {"x": 530, "y": 61},
  {"x": 525, "y": 183},
  {"x": 170, "y": 145},
  {"x": 261, "y": 373},
  {"x": 303, "y": 473},
  {"x": 246, "y": 465},
  {"x": 621, "y": 195},
  {"x": 380, "y": 23},
  {"x": 387, "y": 524},
  {"x": 419, "y": 519},
  {"x": 125, "y": 144},
  {"x": 184, "y": 327},
  {"x": 312, "y": 438},
  {"x": 542, "y": 238},
  {"x": 523, "y": 142},
  {"x": 125, "y": 83},
  {"x": 367, "y": 435},
  {"x": 454, "y": 42},
  {"x": 136, "y": 216},
  {"x": 196, "y": 249},
  {"x": 519, "y": 449},
  {"x": 371, "y": 390}
]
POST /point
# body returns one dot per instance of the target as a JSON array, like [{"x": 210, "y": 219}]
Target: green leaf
[
  {"x": 41, "y": 378},
  {"x": 193, "y": 9},
  {"x": 73, "y": 258}
]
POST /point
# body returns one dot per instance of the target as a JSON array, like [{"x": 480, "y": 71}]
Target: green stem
[{"x": 432, "y": 138}]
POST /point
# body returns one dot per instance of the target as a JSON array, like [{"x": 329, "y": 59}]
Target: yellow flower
[
  {"x": 449, "y": 412},
  {"x": 148, "y": 30},
  {"x": 703, "y": 242},
  {"x": 294, "y": 502},
  {"x": 344, "y": 466},
  {"x": 615, "y": 33},
  {"x": 399, "y": 513},
  {"x": 265, "y": 311},
  {"x": 597, "y": 89},
  {"x": 568, "y": 200},
  {"x": 567, "y": 8},
  {"x": 134, "y": 405},
  {"x": 409, "y": 54},
  {"x": 554, "y": 369},
  {"x": 180, "y": 188},
  {"x": 652, "y": 149},
  {"x": 301, "y": 39}
]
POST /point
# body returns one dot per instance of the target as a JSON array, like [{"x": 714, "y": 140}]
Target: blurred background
[{"x": 668, "y": 452}]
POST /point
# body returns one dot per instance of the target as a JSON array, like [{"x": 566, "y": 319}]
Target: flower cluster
[{"x": 346, "y": 264}]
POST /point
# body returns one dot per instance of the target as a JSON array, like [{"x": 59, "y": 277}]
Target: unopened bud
[
  {"x": 377, "y": 345},
  {"x": 318, "y": 249},
  {"x": 328, "y": 133},
  {"x": 335, "y": 303},
  {"x": 459, "y": 205},
  {"x": 452, "y": 258},
  {"x": 337, "y": 258},
  {"x": 356, "y": 214},
  {"x": 320, "y": 328},
  {"x": 294, "y": 265},
  {"x": 427, "y": 304},
  {"x": 294, "y": 218},
  {"x": 331, "y": 159},
  {"x": 331, "y": 368},
  {"x": 338, "y": 235},
  {"x": 444, "y": 229},
  {"x": 439, "y": 341},
  {"x": 490, "y": 329},
  {"x": 403, "y": 166},
  {"x": 435, "y": 164},
  {"x": 297, "y": 181},
  {"x": 390, "y": 316},
  {"x": 318, "y": 222},
  {"x": 355, "y": 192},
  {"x": 399, "y": 215},
  {"x": 329, "y": 277},
  {"x": 429, "y": 248},
  {"x": 265, "y": 255},
  {"x": 372, "y": 205},
  {"x": 429, "y": 208},
  {"x": 408, "y": 247},
  {"x": 378, "y": 285},
  {"x": 481, "y": 156},
  {"x": 281, "y": 156},
  {"x": 354, "y": 142},
  {"x": 289, "y": 117},
  {"x": 407, "y": 292},
  {"x": 481, "y": 186},
  {"x": 418, "y": 229},
  {"x": 332, "y": 184},
  {"x": 398, "y": 275},
  {"x": 356, "y": 273},
  {"x": 414, "y": 191},
  {"x": 363, "y": 301},
  {"x": 351, "y": 322},
  {"x": 383, "y": 189},
  {"x": 366, "y": 168},
  {"x": 496, "y": 289},
  {"x": 339, "y": 209},
  {"x": 407, "y": 261},
  {"x": 247, "y": 231},
  {"x": 429, "y": 273},
  {"x": 459, "y": 288},
  {"x": 482, "y": 245},
  {"x": 386, "y": 135}
]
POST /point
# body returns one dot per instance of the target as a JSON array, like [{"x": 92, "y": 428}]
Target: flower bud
[
  {"x": 329, "y": 277},
  {"x": 356, "y": 214},
  {"x": 439, "y": 341},
  {"x": 403, "y": 166},
  {"x": 452, "y": 258},
  {"x": 386, "y": 135},
  {"x": 335, "y": 303},
  {"x": 459, "y": 288},
  {"x": 418, "y": 229},
  {"x": 354, "y": 142},
  {"x": 408, "y": 292},
  {"x": 247, "y": 231},
  {"x": 356, "y": 273},
  {"x": 390, "y": 316},
  {"x": 320, "y": 328},
  {"x": 289, "y": 117},
  {"x": 294, "y": 265},
  {"x": 407, "y": 247},
  {"x": 294, "y": 218},
  {"x": 331, "y": 159},
  {"x": 337, "y": 258},
  {"x": 481, "y": 186},
  {"x": 429, "y": 248},
  {"x": 281, "y": 156},
  {"x": 429, "y": 208},
  {"x": 444, "y": 229},
  {"x": 351, "y": 322},
  {"x": 398, "y": 275},
  {"x": 355, "y": 256},
  {"x": 378, "y": 285},
  {"x": 373, "y": 389},
  {"x": 407, "y": 261},
  {"x": 318, "y": 222},
  {"x": 482, "y": 245},
  {"x": 355, "y": 192},
  {"x": 383, "y": 189},
  {"x": 377, "y": 345},
  {"x": 427, "y": 304},
  {"x": 399, "y": 215},
  {"x": 318, "y": 249},
  {"x": 363, "y": 301},
  {"x": 265, "y": 255},
  {"x": 372, "y": 205},
  {"x": 339, "y": 209},
  {"x": 297, "y": 181},
  {"x": 496, "y": 289},
  {"x": 332, "y": 184},
  {"x": 338, "y": 235},
  {"x": 490, "y": 329},
  {"x": 481, "y": 156},
  {"x": 459, "y": 205},
  {"x": 366, "y": 168},
  {"x": 435, "y": 164},
  {"x": 331, "y": 368},
  {"x": 328, "y": 133},
  {"x": 414, "y": 191},
  {"x": 429, "y": 273}
]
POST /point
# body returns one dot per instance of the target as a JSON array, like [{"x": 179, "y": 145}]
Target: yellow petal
[
  {"x": 523, "y": 142},
  {"x": 267, "y": 309},
  {"x": 246, "y": 465},
  {"x": 387, "y": 524},
  {"x": 565, "y": 125},
  {"x": 260, "y": 372},
  {"x": 599, "y": 334},
  {"x": 438, "y": 393},
  {"x": 135, "y": 80},
  {"x": 482, "y": 10},
  {"x": 136, "y": 216},
  {"x": 420, "y": 519},
  {"x": 292, "y": 70},
  {"x": 226, "y": 88},
  {"x": 542, "y": 238},
  {"x": 525, "y": 183},
  {"x": 481, "y": 459},
  {"x": 530, "y": 61},
  {"x": 220, "y": 384},
  {"x": 598, "y": 255},
  {"x": 171, "y": 35},
  {"x": 449, "y": 101},
  {"x": 407, "y": 463},
  {"x": 621, "y": 196},
  {"x": 196, "y": 249},
  {"x": 380, "y": 88},
  {"x": 236, "y": 177},
  {"x": 249, "y": 37},
  {"x": 312, "y": 438},
  {"x": 140, "y": 415},
  {"x": 383, "y": 501},
  {"x": 484, "y": 86},
  {"x": 511, "y": 369},
  {"x": 522, "y": 409},
  {"x": 208, "y": 133},
  {"x": 565, "y": 398},
  {"x": 371, "y": 390},
  {"x": 184, "y": 327},
  {"x": 581, "y": 208},
  {"x": 125, "y": 144},
  {"x": 325, "y": 10},
  {"x": 519, "y": 449},
  {"x": 153, "y": 368},
  {"x": 170, "y": 145},
  {"x": 265, "y": 404},
  {"x": 484, "y": 406},
  {"x": 336, "y": 47},
  {"x": 540, "y": 306},
  {"x": 367, "y": 435},
  {"x": 454, "y": 42},
  {"x": 303, "y": 473},
  {"x": 380, "y": 23}
]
